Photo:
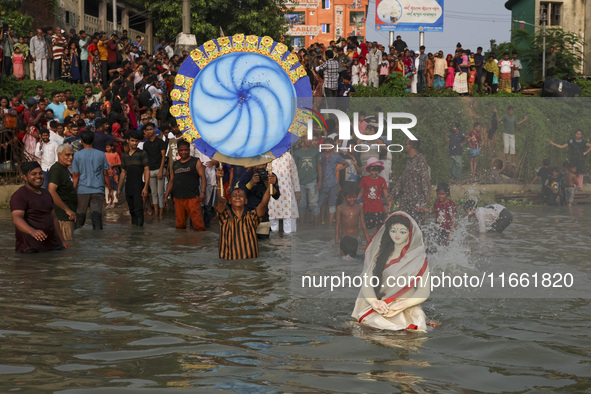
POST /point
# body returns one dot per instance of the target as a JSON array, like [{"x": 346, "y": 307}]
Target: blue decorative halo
[{"x": 241, "y": 100}]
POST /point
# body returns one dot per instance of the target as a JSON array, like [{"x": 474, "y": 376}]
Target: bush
[
  {"x": 585, "y": 85},
  {"x": 394, "y": 86},
  {"x": 28, "y": 86}
]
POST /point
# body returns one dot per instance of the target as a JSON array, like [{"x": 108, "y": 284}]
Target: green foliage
[
  {"x": 259, "y": 17},
  {"x": 10, "y": 12},
  {"x": 394, "y": 86},
  {"x": 568, "y": 48},
  {"x": 548, "y": 118},
  {"x": 585, "y": 85},
  {"x": 440, "y": 92},
  {"x": 497, "y": 50},
  {"x": 27, "y": 86}
]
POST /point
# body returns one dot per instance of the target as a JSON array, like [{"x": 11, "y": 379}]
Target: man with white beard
[{"x": 374, "y": 57}]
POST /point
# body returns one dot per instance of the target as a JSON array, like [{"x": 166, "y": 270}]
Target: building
[
  {"x": 92, "y": 16},
  {"x": 571, "y": 15},
  {"x": 322, "y": 21}
]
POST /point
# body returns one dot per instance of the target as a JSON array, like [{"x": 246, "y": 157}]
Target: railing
[{"x": 92, "y": 24}]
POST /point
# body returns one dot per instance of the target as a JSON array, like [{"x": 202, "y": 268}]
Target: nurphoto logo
[{"x": 344, "y": 130}]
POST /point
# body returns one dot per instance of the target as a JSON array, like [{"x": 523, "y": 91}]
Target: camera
[
  {"x": 4, "y": 26},
  {"x": 264, "y": 175}
]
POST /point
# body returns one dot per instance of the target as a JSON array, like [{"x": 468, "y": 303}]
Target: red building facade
[{"x": 325, "y": 20}]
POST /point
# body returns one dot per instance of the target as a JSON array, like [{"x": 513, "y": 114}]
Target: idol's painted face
[{"x": 399, "y": 234}]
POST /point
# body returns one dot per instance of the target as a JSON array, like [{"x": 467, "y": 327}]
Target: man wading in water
[{"x": 238, "y": 238}]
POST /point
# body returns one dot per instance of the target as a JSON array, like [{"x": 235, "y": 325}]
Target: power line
[
  {"x": 479, "y": 19},
  {"x": 476, "y": 13}
]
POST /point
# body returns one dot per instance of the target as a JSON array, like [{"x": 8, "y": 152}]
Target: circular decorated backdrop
[{"x": 241, "y": 100}]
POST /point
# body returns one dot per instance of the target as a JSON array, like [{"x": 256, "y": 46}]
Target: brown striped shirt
[{"x": 238, "y": 237}]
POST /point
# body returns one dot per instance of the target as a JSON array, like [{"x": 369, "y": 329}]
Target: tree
[
  {"x": 568, "y": 47},
  {"x": 12, "y": 15},
  {"x": 258, "y": 17},
  {"x": 497, "y": 50}
]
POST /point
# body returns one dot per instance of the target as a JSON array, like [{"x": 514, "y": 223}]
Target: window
[
  {"x": 552, "y": 11},
  {"x": 555, "y": 14},
  {"x": 67, "y": 17},
  {"x": 91, "y": 8},
  {"x": 295, "y": 18},
  {"x": 297, "y": 42},
  {"x": 326, "y": 27},
  {"x": 356, "y": 18},
  {"x": 325, "y": 4}
]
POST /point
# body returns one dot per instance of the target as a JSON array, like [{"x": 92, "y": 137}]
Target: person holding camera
[
  {"x": 7, "y": 40},
  {"x": 254, "y": 183}
]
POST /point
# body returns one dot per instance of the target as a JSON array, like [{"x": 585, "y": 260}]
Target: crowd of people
[
  {"x": 52, "y": 54},
  {"x": 82, "y": 154},
  {"x": 369, "y": 64},
  {"x": 119, "y": 142}
]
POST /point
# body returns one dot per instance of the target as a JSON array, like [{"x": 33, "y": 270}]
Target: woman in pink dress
[
  {"x": 18, "y": 64},
  {"x": 450, "y": 71}
]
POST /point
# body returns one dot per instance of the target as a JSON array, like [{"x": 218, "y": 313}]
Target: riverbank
[{"x": 484, "y": 193}]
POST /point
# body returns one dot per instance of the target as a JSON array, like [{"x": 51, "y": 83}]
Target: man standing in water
[
  {"x": 238, "y": 238},
  {"x": 413, "y": 188},
  {"x": 37, "y": 228},
  {"x": 187, "y": 185},
  {"x": 61, "y": 187}
]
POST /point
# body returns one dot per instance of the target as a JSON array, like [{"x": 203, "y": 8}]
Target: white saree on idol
[{"x": 396, "y": 255}]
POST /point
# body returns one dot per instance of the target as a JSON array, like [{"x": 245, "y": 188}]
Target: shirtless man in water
[{"x": 350, "y": 218}]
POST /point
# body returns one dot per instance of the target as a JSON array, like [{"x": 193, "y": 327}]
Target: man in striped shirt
[
  {"x": 238, "y": 238},
  {"x": 59, "y": 44}
]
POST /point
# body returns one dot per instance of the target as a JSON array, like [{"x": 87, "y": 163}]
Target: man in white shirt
[
  {"x": 40, "y": 53},
  {"x": 374, "y": 58},
  {"x": 506, "y": 69},
  {"x": 53, "y": 134},
  {"x": 46, "y": 150},
  {"x": 516, "y": 73},
  {"x": 170, "y": 49},
  {"x": 491, "y": 218}
]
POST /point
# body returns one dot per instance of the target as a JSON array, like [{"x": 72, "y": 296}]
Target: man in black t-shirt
[
  {"x": 155, "y": 148},
  {"x": 187, "y": 184},
  {"x": 543, "y": 174},
  {"x": 63, "y": 192},
  {"x": 400, "y": 45},
  {"x": 134, "y": 165},
  {"x": 455, "y": 141}
]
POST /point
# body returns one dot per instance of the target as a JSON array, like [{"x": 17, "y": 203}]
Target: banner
[
  {"x": 304, "y": 30},
  {"x": 409, "y": 15},
  {"x": 302, "y": 4}
]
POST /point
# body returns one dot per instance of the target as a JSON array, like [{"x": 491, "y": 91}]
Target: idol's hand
[
  {"x": 398, "y": 305},
  {"x": 380, "y": 306}
]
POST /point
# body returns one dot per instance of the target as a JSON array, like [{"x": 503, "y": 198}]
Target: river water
[{"x": 130, "y": 310}]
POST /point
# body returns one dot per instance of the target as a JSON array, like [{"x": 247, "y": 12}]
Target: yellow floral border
[{"x": 213, "y": 50}]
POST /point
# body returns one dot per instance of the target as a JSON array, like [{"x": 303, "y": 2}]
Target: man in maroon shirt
[
  {"x": 112, "y": 54},
  {"x": 37, "y": 228}
]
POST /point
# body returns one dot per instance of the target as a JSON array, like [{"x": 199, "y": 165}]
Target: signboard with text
[
  {"x": 302, "y": 4},
  {"x": 409, "y": 15},
  {"x": 304, "y": 30}
]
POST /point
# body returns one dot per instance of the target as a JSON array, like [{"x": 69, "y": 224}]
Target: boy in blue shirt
[{"x": 328, "y": 189}]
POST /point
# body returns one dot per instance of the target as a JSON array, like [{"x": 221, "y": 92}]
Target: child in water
[
  {"x": 115, "y": 164},
  {"x": 445, "y": 211},
  {"x": 372, "y": 188},
  {"x": 552, "y": 187},
  {"x": 571, "y": 183},
  {"x": 350, "y": 219}
]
